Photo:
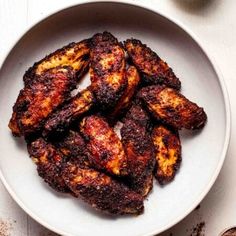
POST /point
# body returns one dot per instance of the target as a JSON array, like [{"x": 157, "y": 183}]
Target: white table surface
[{"x": 214, "y": 22}]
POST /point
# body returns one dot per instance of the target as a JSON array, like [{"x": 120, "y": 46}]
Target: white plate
[{"x": 203, "y": 152}]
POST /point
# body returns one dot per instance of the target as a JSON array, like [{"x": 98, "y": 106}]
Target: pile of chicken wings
[{"x": 71, "y": 138}]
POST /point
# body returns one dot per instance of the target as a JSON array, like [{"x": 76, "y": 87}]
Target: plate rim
[{"x": 212, "y": 62}]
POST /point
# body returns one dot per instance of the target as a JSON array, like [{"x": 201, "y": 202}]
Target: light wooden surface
[{"x": 214, "y": 22}]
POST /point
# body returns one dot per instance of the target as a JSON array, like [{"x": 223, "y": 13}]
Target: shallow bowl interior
[{"x": 203, "y": 151}]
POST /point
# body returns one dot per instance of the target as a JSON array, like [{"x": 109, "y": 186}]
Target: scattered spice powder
[
  {"x": 198, "y": 230},
  {"x": 5, "y": 228},
  {"x": 197, "y": 207}
]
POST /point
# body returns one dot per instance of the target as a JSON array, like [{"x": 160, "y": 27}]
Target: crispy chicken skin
[
  {"x": 139, "y": 149},
  {"x": 173, "y": 108},
  {"x": 49, "y": 163},
  {"x": 72, "y": 110},
  {"x": 168, "y": 153},
  {"x": 101, "y": 191},
  {"x": 124, "y": 102},
  {"x": 75, "y": 55},
  {"x": 107, "y": 69},
  {"x": 13, "y": 125},
  {"x": 40, "y": 98},
  {"x": 104, "y": 145},
  {"x": 72, "y": 145},
  {"x": 152, "y": 67}
]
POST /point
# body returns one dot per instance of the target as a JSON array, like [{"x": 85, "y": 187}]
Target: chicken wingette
[
  {"x": 168, "y": 153},
  {"x": 40, "y": 98},
  {"x": 107, "y": 69},
  {"x": 101, "y": 191},
  {"x": 69, "y": 112},
  {"x": 75, "y": 55},
  {"x": 49, "y": 163},
  {"x": 124, "y": 102},
  {"x": 154, "y": 70},
  {"x": 173, "y": 108},
  {"x": 104, "y": 145},
  {"x": 139, "y": 149}
]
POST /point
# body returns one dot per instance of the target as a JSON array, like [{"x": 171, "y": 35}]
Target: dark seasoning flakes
[{"x": 199, "y": 229}]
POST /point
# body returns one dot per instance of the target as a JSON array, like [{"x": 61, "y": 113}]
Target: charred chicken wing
[
  {"x": 152, "y": 67},
  {"x": 40, "y": 98},
  {"x": 49, "y": 163},
  {"x": 172, "y": 107},
  {"x": 168, "y": 153},
  {"x": 75, "y": 55},
  {"x": 69, "y": 112},
  {"x": 139, "y": 149},
  {"x": 101, "y": 191},
  {"x": 107, "y": 69},
  {"x": 133, "y": 79},
  {"x": 104, "y": 145}
]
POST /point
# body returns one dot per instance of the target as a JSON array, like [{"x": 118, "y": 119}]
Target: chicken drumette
[
  {"x": 154, "y": 70},
  {"x": 124, "y": 102},
  {"x": 139, "y": 149},
  {"x": 107, "y": 69},
  {"x": 172, "y": 108},
  {"x": 104, "y": 145},
  {"x": 101, "y": 191},
  {"x": 168, "y": 153}
]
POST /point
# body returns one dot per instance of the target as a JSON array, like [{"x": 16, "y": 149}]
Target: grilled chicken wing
[
  {"x": 139, "y": 149},
  {"x": 101, "y": 191},
  {"x": 173, "y": 108},
  {"x": 49, "y": 163},
  {"x": 152, "y": 67},
  {"x": 69, "y": 112},
  {"x": 168, "y": 153},
  {"x": 107, "y": 69},
  {"x": 133, "y": 79},
  {"x": 105, "y": 147},
  {"x": 40, "y": 98},
  {"x": 75, "y": 55}
]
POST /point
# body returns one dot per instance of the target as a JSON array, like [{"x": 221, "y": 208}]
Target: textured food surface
[
  {"x": 173, "y": 108},
  {"x": 49, "y": 163},
  {"x": 139, "y": 149},
  {"x": 72, "y": 110},
  {"x": 107, "y": 69},
  {"x": 152, "y": 67},
  {"x": 73, "y": 147},
  {"x": 104, "y": 145},
  {"x": 124, "y": 102},
  {"x": 101, "y": 191},
  {"x": 40, "y": 98},
  {"x": 75, "y": 55},
  {"x": 168, "y": 153}
]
